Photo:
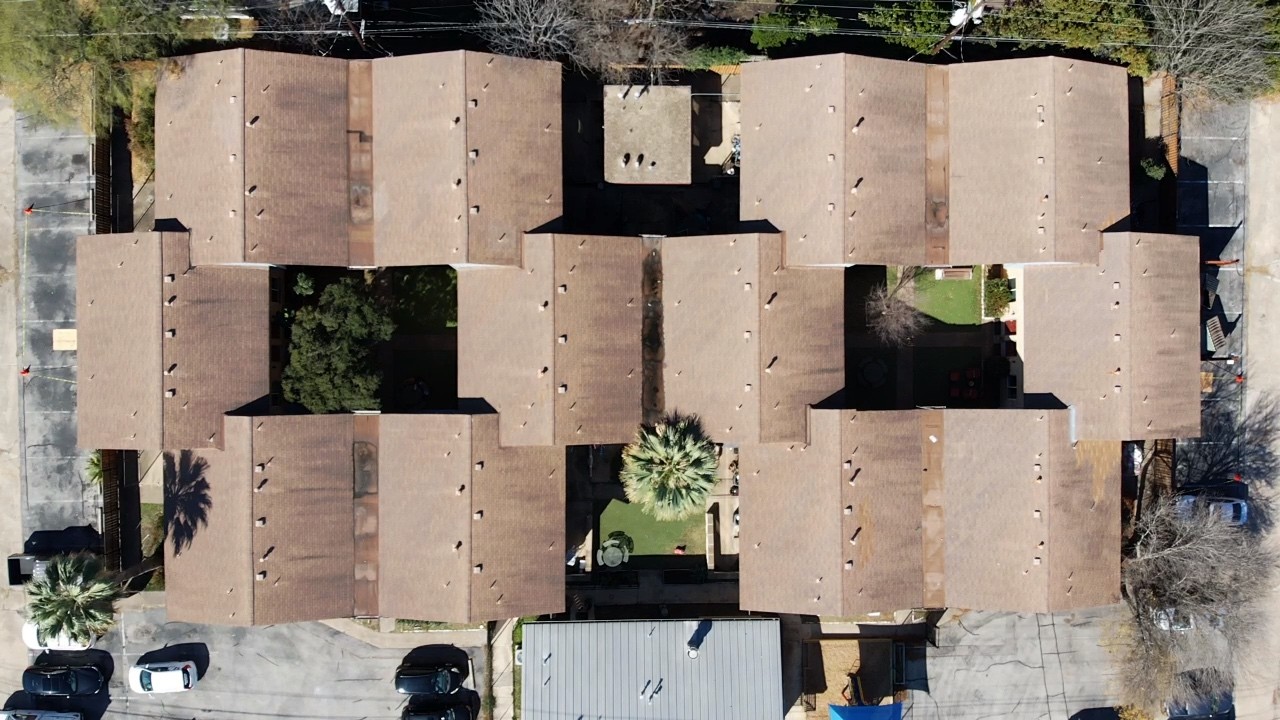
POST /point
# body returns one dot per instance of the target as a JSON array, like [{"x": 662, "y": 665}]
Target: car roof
[{"x": 165, "y": 677}]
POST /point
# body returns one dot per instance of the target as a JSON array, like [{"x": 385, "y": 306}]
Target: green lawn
[
  {"x": 954, "y": 302},
  {"x": 153, "y": 540},
  {"x": 653, "y": 537}
]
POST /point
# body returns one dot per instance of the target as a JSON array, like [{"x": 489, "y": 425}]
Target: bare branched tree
[
  {"x": 304, "y": 26},
  {"x": 1192, "y": 581},
  {"x": 1218, "y": 48},
  {"x": 891, "y": 311},
  {"x": 545, "y": 29},
  {"x": 622, "y": 41}
]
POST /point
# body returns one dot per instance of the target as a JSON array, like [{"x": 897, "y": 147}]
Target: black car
[
  {"x": 451, "y": 712},
  {"x": 430, "y": 681},
  {"x": 62, "y": 680}
]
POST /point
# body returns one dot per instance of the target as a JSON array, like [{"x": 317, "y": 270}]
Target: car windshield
[
  {"x": 41, "y": 638},
  {"x": 144, "y": 679},
  {"x": 186, "y": 678},
  {"x": 437, "y": 681},
  {"x": 71, "y": 681}
]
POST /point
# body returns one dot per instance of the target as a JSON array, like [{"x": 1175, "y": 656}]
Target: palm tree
[
  {"x": 93, "y": 467},
  {"x": 75, "y": 597},
  {"x": 670, "y": 469}
]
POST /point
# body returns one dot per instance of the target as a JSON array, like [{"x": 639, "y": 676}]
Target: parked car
[
  {"x": 163, "y": 677},
  {"x": 37, "y": 715},
  {"x": 451, "y": 712},
  {"x": 1234, "y": 511},
  {"x": 36, "y": 639},
  {"x": 1212, "y": 707},
  {"x": 62, "y": 680},
  {"x": 430, "y": 681}
]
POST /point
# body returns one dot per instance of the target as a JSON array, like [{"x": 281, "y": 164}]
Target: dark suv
[
  {"x": 62, "y": 680},
  {"x": 430, "y": 681},
  {"x": 449, "y": 712}
]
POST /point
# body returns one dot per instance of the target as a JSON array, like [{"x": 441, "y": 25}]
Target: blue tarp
[{"x": 866, "y": 712}]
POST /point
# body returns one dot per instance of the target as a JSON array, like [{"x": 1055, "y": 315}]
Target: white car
[
  {"x": 163, "y": 677},
  {"x": 37, "y": 715},
  {"x": 1235, "y": 512},
  {"x": 35, "y": 639}
]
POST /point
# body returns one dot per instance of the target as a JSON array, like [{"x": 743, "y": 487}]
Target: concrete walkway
[
  {"x": 504, "y": 663},
  {"x": 461, "y": 638}
]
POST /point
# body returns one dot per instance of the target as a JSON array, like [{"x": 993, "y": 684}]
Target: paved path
[
  {"x": 1258, "y": 680},
  {"x": 504, "y": 664},
  {"x": 53, "y": 173}
]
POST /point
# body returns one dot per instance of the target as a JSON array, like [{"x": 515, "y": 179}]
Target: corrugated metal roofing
[{"x": 635, "y": 669}]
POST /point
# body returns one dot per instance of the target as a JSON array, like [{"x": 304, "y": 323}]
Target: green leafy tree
[
  {"x": 705, "y": 58},
  {"x": 916, "y": 25},
  {"x": 996, "y": 296},
  {"x": 670, "y": 469},
  {"x": 1112, "y": 29},
  {"x": 330, "y": 350},
  {"x": 75, "y": 597},
  {"x": 69, "y": 60},
  {"x": 776, "y": 29}
]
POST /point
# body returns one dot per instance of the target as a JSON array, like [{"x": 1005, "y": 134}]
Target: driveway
[
  {"x": 1019, "y": 666},
  {"x": 299, "y": 670}
]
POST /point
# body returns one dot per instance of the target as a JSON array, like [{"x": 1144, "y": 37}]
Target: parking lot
[{"x": 300, "y": 670}]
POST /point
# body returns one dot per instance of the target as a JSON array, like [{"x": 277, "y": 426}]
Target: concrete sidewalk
[
  {"x": 504, "y": 664},
  {"x": 461, "y": 638},
  {"x": 1258, "y": 678}
]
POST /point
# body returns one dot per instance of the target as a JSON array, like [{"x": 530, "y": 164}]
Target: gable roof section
[
  {"x": 900, "y": 514},
  {"x": 267, "y": 536},
  {"x": 1038, "y": 159},
  {"x": 835, "y": 145},
  {"x": 307, "y": 499},
  {"x": 728, "y": 297},
  {"x": 208, "y": 548},
  {"x": 118, "y": 323},
  {"x": 1124, "y": 353},
  {"x": 517, "y": 526},
  {"x": 251, "y": 156},
  {"x": 1012, "y": 161},
  {"x": 219, "y": 356},
  {"x": 152, "y": 325},
  {"x": 424, "y": 516},
  {"x": 302, "y": 160},
  {"x": 554, "y": 346}
]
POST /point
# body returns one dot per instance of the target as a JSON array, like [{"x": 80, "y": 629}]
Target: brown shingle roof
[
  {"x": 517, "y": 527},
  {"x": 931, "y": 508},
  {"x": 251, "y": 156},
  {"x": 152, "y": 325},
  {"x": 851, "y": 184},
  {"x": 791, "y": 524},
  {"x": 306, "y": 501},
  {"x": 118, "y": 323},
  {"x": 727, "y": 297},
  {"x": 1124, "y": 351},
  {"x": 424, "y": 516},
  {"x": 466, "y": 531},
  {"x": 208, "y": 548},
  {"x": 801, "y": 178},
  {"x": 521, "y": 340},
  {"x": 279, "y": 502},
  {"x": 1025, "y": 129},
  {"x": 286, "y": 159}
]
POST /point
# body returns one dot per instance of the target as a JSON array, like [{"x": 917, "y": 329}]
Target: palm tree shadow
[{"x": 187, "y": 501}]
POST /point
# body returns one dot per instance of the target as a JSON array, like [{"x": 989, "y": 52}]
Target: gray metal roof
[{"x": 634, "y": 669}]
